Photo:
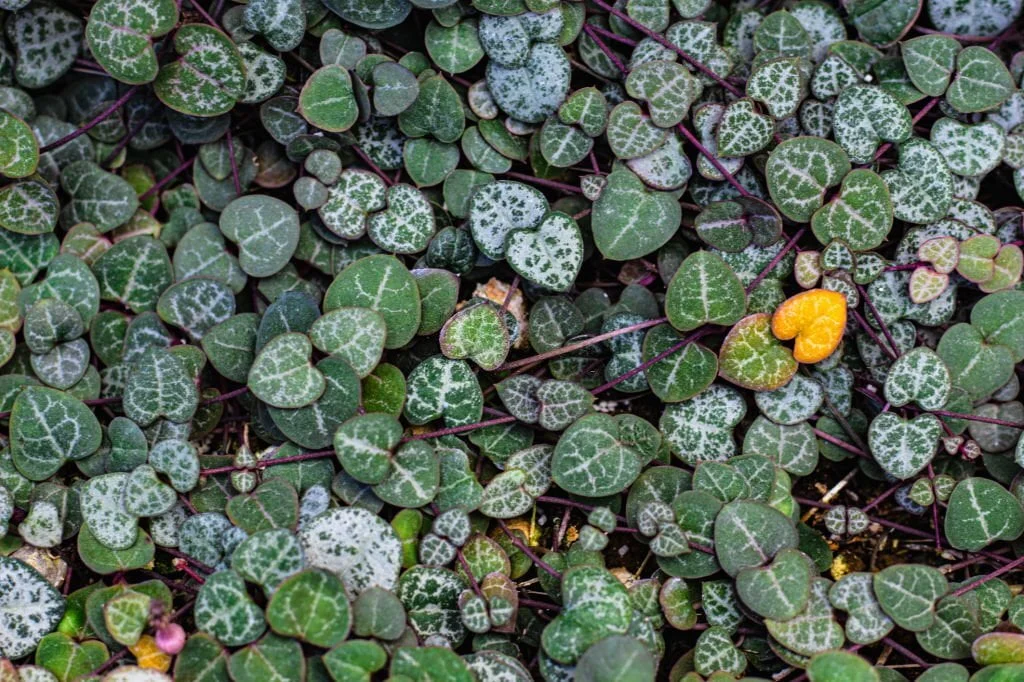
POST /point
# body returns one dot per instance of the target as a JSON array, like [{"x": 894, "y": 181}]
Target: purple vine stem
[
  {"x": 664, "y": 42},
  {"x": 118, "y": 103},
  {"x": 168, "y": 178},
  {"x": 713, "y": 160},
  {"x": 776, "y": 260},
  {"x": 614, "y": 58},
  {"x": 1013, "y": 565},
  {"x": 234, "y": 163},
  {"x": 373, "y": 166},
  {"x": 650, "y": 363},
  {"x": 540, "y": 563},
  {"x": 878, "y": 318},
  {"x": 582, "y": 344},
  {"x": 542, "y": 182}
]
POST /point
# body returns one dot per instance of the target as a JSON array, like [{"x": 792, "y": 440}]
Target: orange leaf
[{"x": 816, "y": 319}]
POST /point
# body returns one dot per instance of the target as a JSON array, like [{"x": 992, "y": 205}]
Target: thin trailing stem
[
  {"x": 664, "y": 42},
  {"x": 1013, "y": 565},
  {"x": 234, "y": 163},
  {"x": 573, "y": 347},
  {"x": 373, "y": 166},
  {"x": 542, "y": 182},
  {"x": 521, "y": 546},
  {"x": 878, "y": 318},
  {"x": 100, "y": 117},
  {"x": 713, "y": 160},
  {"x": 263, "y": 464},
  {"x": 790, "y": 245},
  {"x": 184, "y": 166},
  {"x": 650, "y": 363}
]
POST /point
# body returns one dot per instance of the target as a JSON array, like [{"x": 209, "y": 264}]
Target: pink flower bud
[{"x": 170, "y": 639}]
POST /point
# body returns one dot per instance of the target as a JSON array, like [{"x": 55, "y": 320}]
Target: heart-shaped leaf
[
  {"x": 630, "y": 221},
  {"x": 668, "y": 88},
  {"x": 779, "y": 591},
  {"x": 41, "y": 61},
  {"x": 800, "y": 170},
  {"x": 918, "y": 376},
  {"x": 921, "y": 187},
  {"x": 969, "y": 149},
  {"x": 98, "y": 197},
  {"x": 49, "y": 427},
  {"x": 383, "y": 284},
  {"x": 159, "y": 385},
  {"x": 778, "y": 84},
  {"x": 31, "y": 608},
  {"x": 975, "y": 366},
  {"x": 479, "y": 333},
  {"x": 550, "y": 255},
  {"x": 440, "y": 386},
  {"x": 980, "y": 512},
  {"x": 752, "y": 357},
  {"x": 266, "y": 231},
  {"x": 865, "y": 115},
  {"x": 860, "y": 216},
  {"x": 930, "y": 61},
  {"x": 592, "y": 459},
  {"x": 866, "y": 623},
  {"x": 814, "y": 629},
  {"x": 904, "y": 447},
  {"x": 742, "y": 131},
  {"x": 311, "y": 606},
  {"x": 61, "y": 658},
  {"x": 282, "y": 24},
  {"x": 120, "y": 37},
  {"x": 533, "y": 91},
  {"x": 208, "y": 76},
  {"x": 982, "y": 82},
  {"x": 19, "y": 150},
  {"x": 748, "y": 534},
  {"x": 406, "y": 225},
  {"x": 224, "y": 610},
  {"x": 356, "y": 545},
  {"x": 908, "y": 592},
  {"x": 29, "y": 207},
  {"x": 282, "y": 375},
  {"x": 196, "y": 305},
  {"x": 704, "y": 290}
]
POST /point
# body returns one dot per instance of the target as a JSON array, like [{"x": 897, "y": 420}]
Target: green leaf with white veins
[
  {"x": 668, "y": 88},
  {"x": 866, "y": 623},
  {"x": 981, "y": 512},
  {"x": 19, "y": 150},
  {"x": 442, "y": 387},
  {"x": 629, "y": 221},
  {"x": 779, "y": 85},
  {"x": 921, "y": 376},
  {"x": 208, "y": 76},
  {"x": 969, "y": 149},
  {"x": 780, "y": 590},
  {"x": 383, "y": 284},
  {"x": 437, "y": 111},
  {"x": 28, "y": 207},
  {"x": 700, "y": 429},
  {"x": 631, "y": 133},
  {"x": 350, "y": 200},
  {"x": 929, "y": 61},
  {"x": 49, "y": 427},
  {"x": 742, "y": 131},
  {"x": 356, "y": 545},
  {"x": 922, "y": 186},
  {"x": 311, "y": 606},
  {"x": 29, "y": 608},
  {"x": 104, "y": 513},
  {"x": 372, "y": 15},
  {"x": 748, "y": 534},
  {"x": 313, "y": 425},
  {"x": 813, "y": 630},
  {"x": 860, "y": 215},
  {"x": 454, "y": 48},
  {"x": 406, "y": 225},
  {"x": 223, "y": 609},
  {"x": 866, "y": 115},
  {"x": 982, "y": 82},
  {"x": 364, "y": 444},
  {"x": 201, "y": 252},
  {"x": 46, "y": 41},
  {"x": 196, "y": 305},
  {"x": 699, "y": 39},
  {"x": 907, "y": 593},
  {"x": 479, "y": 333},
  {"x": 904, "y": 447},
  {"x": 266, "y": 231},
  {"x": 550, "y": 255},
  {"x": 592, "y": 460},
  {"x": 159, "y": 385},
  {"x": 704, "y": 290},
  {"x": 327, "y": 100},
  {"x": 121, "y": 32},
  {"x": 98, "y": 197},
  {"x": 800, "y": 170},
  {"x": 499, "y": 208},
  {"x": 282, "y": 375},
  {"x": 281, "y": 22},
  {"x": 533, "y": 91},
  {"x": 134, "y": 272},
  {"x": 354, "y": 334}
]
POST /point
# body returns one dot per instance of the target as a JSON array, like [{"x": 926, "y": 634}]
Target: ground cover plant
[{"x": 498, "y": 340}]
